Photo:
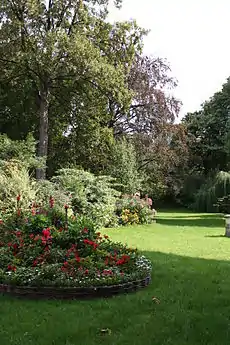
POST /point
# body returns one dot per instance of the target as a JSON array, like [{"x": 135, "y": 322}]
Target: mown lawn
[{"x": 191, "y": 278}]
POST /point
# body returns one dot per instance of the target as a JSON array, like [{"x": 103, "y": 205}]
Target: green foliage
[
  {"x": 208, "y": 133},
  {"x": 215, "y": 187},
  {"x": 53, "y": 50},
  {"x": 123, "y": 166},
  {"x": 22, "y": 150},
  {"x": 15, "y": 180},
  {"x": 133, "y": 210},
  {"x": 75, "y": 255},
  {"x": 223, "y": 204},
  {"x": 91, "y": 195}
]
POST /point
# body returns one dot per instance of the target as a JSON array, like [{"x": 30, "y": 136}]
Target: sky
[{"x": 194, "y": 37}]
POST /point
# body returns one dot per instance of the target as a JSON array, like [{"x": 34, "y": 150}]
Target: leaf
[
  {"x": 105, "y": 331},
  {"x": 156, "y": 300}
]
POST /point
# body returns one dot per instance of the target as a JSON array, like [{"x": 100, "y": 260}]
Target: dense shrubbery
[
  {"x": 133, "y": 210},
  {"x": 91, "y": 195},
  {"x": 42, "y": 248},
  {"x": 87, "y": 194}
]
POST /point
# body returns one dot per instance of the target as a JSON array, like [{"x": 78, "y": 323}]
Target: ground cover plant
[{"x": 46, "y": 248}]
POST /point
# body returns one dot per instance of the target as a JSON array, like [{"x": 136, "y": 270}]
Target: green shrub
[
  {"x": 92, "y": 196},
  {"x": 15, "y": 180},
  {"x": 133, "y": 210}
]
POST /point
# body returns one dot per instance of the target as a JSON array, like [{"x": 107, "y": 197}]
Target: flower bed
[{"x": 42, "y": 255}]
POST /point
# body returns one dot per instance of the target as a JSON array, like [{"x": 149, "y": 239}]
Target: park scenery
[{"x": 114, "y": 210}]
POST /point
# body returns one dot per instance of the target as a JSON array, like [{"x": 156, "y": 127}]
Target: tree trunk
[{"x": 43, "y": 132}]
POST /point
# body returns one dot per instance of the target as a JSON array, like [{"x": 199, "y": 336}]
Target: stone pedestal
[{"x": 227, "y": 225}]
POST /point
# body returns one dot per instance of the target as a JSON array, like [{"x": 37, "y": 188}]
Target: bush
[
  {"x": 64, "y": 254},
  {"x": 92, "y": 196},
  {"x": 15, "y": 180},
  {"x": 133, "y": 210}
]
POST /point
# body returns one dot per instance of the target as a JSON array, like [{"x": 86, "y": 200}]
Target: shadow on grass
[
  {"x": 216, "y": 236},
  {"x": 194, "y": 216},
  {"x": 207, "y": 221},
  {"x": 194, "y": 296}
]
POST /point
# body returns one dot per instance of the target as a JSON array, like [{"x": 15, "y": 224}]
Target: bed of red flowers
[{"x": 41, "y": 248}]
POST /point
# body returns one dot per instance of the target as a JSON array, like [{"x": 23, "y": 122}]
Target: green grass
[{"x": 191, "y": 278}]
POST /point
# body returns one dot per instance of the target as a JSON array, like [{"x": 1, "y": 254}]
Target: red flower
[
  {"x": 107, "y": 272},
  {"x": 15, "y": 246},
  {"x": 31, "y": 236},
  {"x": 11, "y": 268},
  {"x": 65, "y": 264},
  {"x": 18, "y": 197},
  {"x": 124, "y": 259},
  {"x": 77, "y": 258},
  {"x": 36, "y": 238},
  {"x": 51, "y": 202},
  {"x": 35, "y": 263},
  {"x": 46, "y": 233},
  {"x": 10, "y": 244},
  {"x": 18, "y": 233},
  {"x": 86, "y": 271},
  {"x": 85, "y": 231}
]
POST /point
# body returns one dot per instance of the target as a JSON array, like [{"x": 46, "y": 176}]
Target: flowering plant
[
  {"x": 134, "y": 210},
  {"x": 38, "y": 249}
]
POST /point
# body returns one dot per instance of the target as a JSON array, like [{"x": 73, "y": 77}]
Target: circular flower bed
[{"x": 45, "y": 254}]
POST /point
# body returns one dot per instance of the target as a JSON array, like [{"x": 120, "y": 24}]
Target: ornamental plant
[
  {"x": 134, "y": 210},
  {"x": 40, "y": 249}
]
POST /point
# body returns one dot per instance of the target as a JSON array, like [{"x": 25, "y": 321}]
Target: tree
[
  {"x": 123, "y": 165},
  {"x": 208, "y": 133},
  {"x": 152, "y": 105},
  {"x": 49, "y": 46}
]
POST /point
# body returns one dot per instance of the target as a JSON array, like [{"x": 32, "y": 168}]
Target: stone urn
[{"x": 227, "y": 225}]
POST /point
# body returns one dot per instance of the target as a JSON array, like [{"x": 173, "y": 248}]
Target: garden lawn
[{"x": 191, "y": 280}]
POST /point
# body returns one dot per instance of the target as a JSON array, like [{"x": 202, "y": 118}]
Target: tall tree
[
  {"x": 50, "y": 45},
  {"x": 209, "y": 133},
  {"x": 153, "y": 105}
]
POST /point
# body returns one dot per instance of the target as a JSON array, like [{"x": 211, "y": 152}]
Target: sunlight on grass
[
  {"x": 191, "y": 234},
  {"x": 193, "y": 294}
]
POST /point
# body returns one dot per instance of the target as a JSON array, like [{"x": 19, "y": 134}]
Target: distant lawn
[{"x": 191, "y": 278}]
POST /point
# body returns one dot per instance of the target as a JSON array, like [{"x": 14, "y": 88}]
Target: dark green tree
[{"x": 49, "y": 47}]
